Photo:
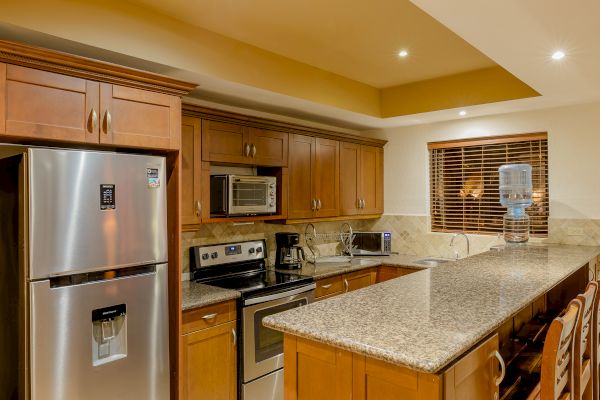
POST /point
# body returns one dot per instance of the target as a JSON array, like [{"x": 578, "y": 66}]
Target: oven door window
[
  {"x": 249, "y": 194},
  {"x": 368, "y": 242},
  {"x": 268, "y": 342}
]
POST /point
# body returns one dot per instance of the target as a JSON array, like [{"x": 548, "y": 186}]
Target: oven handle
[{"x": 280, "y": 295}]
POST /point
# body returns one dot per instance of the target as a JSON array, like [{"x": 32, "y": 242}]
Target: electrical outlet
[{"x": 575, "y": 231}]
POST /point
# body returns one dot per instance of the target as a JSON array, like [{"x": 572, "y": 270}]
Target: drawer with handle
[
  {"x": 329, "y": 286},
  {"x": 206, "y": 317}
]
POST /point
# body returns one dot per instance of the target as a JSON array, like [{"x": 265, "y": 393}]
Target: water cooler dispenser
[{"x": 516, "y": 194}]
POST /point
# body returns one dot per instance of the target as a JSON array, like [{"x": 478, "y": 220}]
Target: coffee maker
[{"x": 290, "y": 254}]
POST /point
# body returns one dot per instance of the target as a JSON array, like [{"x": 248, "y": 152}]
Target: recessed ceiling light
[
  {"x": 403, "y": 53},
  {"x": 558, "y": 55},
  {"x": 462, "y": 113}
]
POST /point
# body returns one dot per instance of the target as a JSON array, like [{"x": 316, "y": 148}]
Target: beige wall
[{"x": 573, "y": 147}]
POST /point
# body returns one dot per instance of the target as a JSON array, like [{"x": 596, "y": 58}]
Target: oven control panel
[{"x": 206, "y": 256}]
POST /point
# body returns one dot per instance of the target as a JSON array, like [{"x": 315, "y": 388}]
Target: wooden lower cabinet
[
  {"x": 209, "y": 353},
  {"x": 385, "y": 272},
  {"x": 332, "y": 286},
  {"x": 360, "y": 279},
  {"x": 315, "y": 371}
]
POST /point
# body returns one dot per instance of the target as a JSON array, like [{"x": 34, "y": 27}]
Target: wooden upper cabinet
[
  {"x": 191, "y": 166},
  {"x": 268, "y": 148},
  {"x": 371, "y": 179},
  {"x": 44, "y": 105},
  {"x": 361, "y": 179},
  {"x": 225, "y": 142},
  {"x": 326, "y": 178},
  {"x": 301, "y": 170},
  {"x": 209, "y": 364},
  {"x": 139, "y": 118},
  {"x": 349, "y": 178}
]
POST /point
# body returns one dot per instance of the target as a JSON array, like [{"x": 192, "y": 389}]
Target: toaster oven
[{"x": 242, "y": 195}]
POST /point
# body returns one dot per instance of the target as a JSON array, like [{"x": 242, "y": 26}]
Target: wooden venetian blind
[{"x": 464, "y": 182}]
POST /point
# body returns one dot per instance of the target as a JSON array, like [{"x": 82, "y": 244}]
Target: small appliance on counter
[
  {"x": 241, "y": 266},
  {"x": 372, "y": 244},
  {"x": 290, "y": 254},
  {"x": 235, "y": 195}
]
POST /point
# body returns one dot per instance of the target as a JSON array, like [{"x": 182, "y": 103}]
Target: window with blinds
[{"x": 464, "y": 182}]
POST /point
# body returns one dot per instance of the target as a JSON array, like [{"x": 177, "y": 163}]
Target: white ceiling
[{"x": 359, "y": 40}]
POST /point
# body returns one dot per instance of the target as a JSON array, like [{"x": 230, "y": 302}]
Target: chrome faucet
[{"x": 466, "y": 238}]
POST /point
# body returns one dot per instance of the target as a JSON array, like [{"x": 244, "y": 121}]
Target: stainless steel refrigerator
[{"x": 83, "y": 275}]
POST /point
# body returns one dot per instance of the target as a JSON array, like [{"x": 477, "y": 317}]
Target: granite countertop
[
  {"x": 325, "y": 270},
  {"x": 427, "y": 319},
  {"x": 195, "y": 295}
]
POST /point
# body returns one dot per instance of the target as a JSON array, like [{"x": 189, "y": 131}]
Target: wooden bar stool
[
  {"x": 596, "y": 343},
  {"x": 582, "y": 349},
  {"x": 557, "y": 358}
]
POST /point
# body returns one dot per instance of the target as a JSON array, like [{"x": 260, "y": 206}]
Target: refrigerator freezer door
[
  {"x": 102, "y": 340},
  {"x": 93, "y": 210}
]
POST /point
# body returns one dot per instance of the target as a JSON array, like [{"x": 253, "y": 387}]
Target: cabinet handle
[
  {"x": 209, "y": 317},
  {"x": 313, "y": 205},
  {"x": 94, "y": 120},
  {"x": 346, "y": 285},
  {"x": 234, "y": 335},
  {"x": 247, "y": 150},
  {"x": 326, "y": 286},
  {"x": 253, "y": 151},
  {"x": 198, "y": 208},
  {"x": 364, "y": 203},
  {"x": 319, "y": 204},
  {"x": 107, "y": 122},
  {"x": 502, "y": 368}
]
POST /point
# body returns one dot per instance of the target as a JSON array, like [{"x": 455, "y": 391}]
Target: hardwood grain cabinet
[
  {"x": 132, "y": 117},
  {"x": 386, "y": 272},
  {"x": 360, "y": 279},
  {"x": 361, "y": 179},
  {"x": 268, "y": 148},
  {"x": 46, "y": 105},
  {"x": 313, "y": 177},
  {"x": 191, "y": 171},
  {"x": 332, "y": 286},
  {"x": 209, "y": 353},
  {"x": 317, "y": 371}
]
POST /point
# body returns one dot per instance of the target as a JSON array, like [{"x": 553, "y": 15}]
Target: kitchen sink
[{"x": 432, "y": 261}]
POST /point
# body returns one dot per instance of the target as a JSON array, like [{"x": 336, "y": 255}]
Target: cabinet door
[
  {"x": 225, "y": 142},
  {"x": 268, "y": 148},
  {"x": 349, "y": 178},
  {"x": 360, "y": 279},
  {"x": 191, "y": 168},
  {"x": 209, "y": 364},
  {"x": 43, "y": 105},
  {"x": 474, "y": 375},
  {"x": 326, "y": 178},
  {"x": 139, "y": 118},
  {"x": 371, "y": 179},
  {"x": 301, "y": 171}
]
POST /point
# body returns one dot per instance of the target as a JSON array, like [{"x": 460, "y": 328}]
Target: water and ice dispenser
[
  {"x": 516, "y": 194},
  {"x": 109, "y": 334}
]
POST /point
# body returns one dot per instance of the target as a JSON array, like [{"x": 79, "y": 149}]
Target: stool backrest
[{"x": 557, "y": 357}]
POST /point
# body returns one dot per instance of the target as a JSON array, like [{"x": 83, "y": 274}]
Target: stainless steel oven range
[{"x": 242, "y": 266}]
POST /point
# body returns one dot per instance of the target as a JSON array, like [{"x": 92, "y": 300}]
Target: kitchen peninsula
[{"x": 433, "y": 334}]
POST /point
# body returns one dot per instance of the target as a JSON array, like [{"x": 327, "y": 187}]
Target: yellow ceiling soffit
[{"x": 488, "y": 85}]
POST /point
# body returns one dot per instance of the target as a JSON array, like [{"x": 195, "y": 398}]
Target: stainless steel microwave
[
  {"x": 372, "y": 243},
  {"x": 232, "y": 195}
]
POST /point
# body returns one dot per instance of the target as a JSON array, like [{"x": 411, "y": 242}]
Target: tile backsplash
[{"x": 410, "y": 235}]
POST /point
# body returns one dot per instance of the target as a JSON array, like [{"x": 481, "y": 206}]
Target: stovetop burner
[{"x": 240, "y": 267}]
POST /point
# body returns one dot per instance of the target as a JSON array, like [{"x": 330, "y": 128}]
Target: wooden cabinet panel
[
  {"x": 360, "y": 279},
  {"x": 385, "y": 272},
  {"x": 209, "y": 316},
  {"x": 326, "y": 178},
  {"x": 349, "y": 178},
  {"x": 316, "y": 372},
  {"x": 474, "y": 375},
  {"x": 329, "y": 286},
  {"x": 269, "y": 148},
  {"x": 301, "y": 173},
  {"x": 371, "y": 179},
  {"x": 225, "y": 142},
  {"x": 191, "y": 171},
  {"x": 209, "y": 364},
  {"x": 46, "y": 105},
  {"x": 138, "y": 118}
]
